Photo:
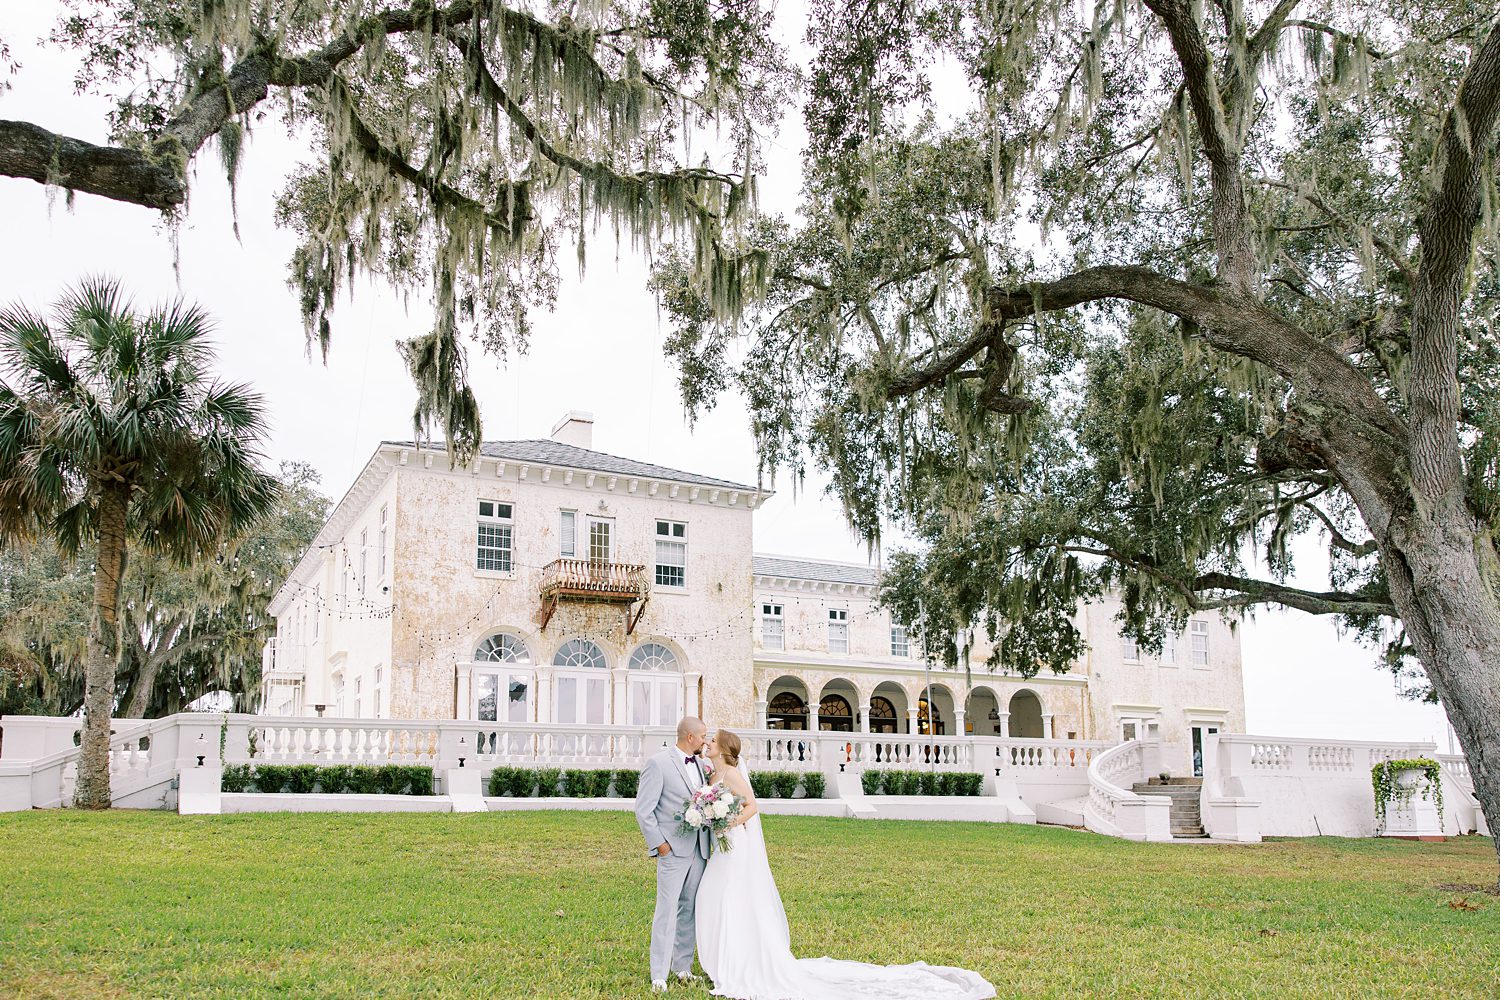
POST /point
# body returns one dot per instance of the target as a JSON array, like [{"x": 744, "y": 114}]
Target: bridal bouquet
[{"x": 713, "y": 807}]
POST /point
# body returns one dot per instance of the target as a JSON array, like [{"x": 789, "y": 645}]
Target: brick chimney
[{"x": 576, "y": 428}]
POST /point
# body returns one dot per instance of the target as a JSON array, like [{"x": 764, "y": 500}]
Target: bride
[{"x": 743, "y": 942}]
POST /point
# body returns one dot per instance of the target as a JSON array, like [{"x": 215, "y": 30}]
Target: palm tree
[{"x": 114, "y": 430}]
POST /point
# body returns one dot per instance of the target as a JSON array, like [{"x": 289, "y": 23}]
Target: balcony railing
[{"x": 594, "y": 580}]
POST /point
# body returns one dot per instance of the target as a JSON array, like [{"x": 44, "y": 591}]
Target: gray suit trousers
[{"x": 673, "y": 934}]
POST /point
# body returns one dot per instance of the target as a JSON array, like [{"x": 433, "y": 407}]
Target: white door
[
  {"x": 601, "y": 539},
  {"x": 655, "y": 700},
  {"x": 1200, "y": 735}
]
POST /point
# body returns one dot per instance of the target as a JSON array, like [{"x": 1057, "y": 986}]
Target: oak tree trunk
[{"x": 93, "y": 791}]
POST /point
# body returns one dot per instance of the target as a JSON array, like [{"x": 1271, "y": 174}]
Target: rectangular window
[
  {"x": 772, "y": 627},
  {"x": 567, "y": 535},
  {"x": 671, "y": 554},
  {"x": 1198, "y": 631},
  {"x": 493, "y": 550},
  {"x": 382, "y": 542},
  {"x": 375, "y": 697},
  {"x": 364, "y": 558},
  {"x": 343, "y": 578},
  {"x": 358, "y": 683},
  {"x": 600, "y": 533},
  {"x": 1132, "y": 650},
  {"x": 317, "y": 609},
  {"x": 899, "y": 644},
  {"x": 838, "y": 630},
  {"x": 1169, "y": 649}
]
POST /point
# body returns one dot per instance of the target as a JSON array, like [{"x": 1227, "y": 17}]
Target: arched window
[
  {"x": 935, "y": 726},
  {"x": 881, "y": 708},
  {"x": 653, "y": 656},
  {"x": 579, "y": 653},
  {"x": 787, "y": 703},
  {"x": 834, "y": 714},
  {"x": 502, "y": 648}
]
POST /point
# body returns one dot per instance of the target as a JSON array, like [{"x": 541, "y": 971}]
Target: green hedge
[
  {"x": 543, "y": 783},
  {"x": 921, "y": 783},
  {"x": 784, "y": 784},
  {"x": 330, "y": 779}
]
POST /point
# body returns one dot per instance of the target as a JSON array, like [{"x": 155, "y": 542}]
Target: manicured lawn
[{"x": 556, "y": 905}]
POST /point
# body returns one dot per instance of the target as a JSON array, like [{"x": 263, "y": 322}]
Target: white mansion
[{"x": 547, "y": 582}]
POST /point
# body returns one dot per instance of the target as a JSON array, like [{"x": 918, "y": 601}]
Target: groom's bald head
[{"x": 691, "y": 734}]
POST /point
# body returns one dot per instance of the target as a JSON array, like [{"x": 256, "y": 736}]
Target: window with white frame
[
  {"x": 1198, "y": 633},
  {"x": 493, "y": 549},
  {"x": 364, "y": 558},
  {"x": 601, "y": 538},
  {"x": 1132, "y": 649},
  {"x": 567, "y": 534},
  {"x": 382, "y": 537},
  {"x": 338, "y": 694},
  {"x": 582, "y": 684},
  {"x": 343, "y": 578},
  {"x": 375, "y": 694},
  {"x": 772, "y": 627},
  {"x": 654, "y": 695},
  {"x": 317, "y": 609},
  {"x": 900, "y": 645},
  {"x": 1169, "y": 649},
  {"x": 358, "y": 687},
  {"x": 838, "y": 630},
  {"x": 671, "y": 554}
]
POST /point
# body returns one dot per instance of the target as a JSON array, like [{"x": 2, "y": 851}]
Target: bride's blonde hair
[{"x": 729, "y": 747}]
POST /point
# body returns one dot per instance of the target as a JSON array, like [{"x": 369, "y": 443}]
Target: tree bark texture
[{"x": 93, "y": 791}]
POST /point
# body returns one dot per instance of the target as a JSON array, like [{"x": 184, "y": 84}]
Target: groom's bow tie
[{"x": 688, "y": 760}]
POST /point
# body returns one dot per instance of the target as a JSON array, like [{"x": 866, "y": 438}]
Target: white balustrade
[{"x": 1112, "y": 808}]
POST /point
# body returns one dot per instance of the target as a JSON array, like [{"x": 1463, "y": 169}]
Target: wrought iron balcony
[{"x": 595, "y": 581}]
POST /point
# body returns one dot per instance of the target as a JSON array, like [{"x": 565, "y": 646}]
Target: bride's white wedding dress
[{"x": 744, "y": 945}]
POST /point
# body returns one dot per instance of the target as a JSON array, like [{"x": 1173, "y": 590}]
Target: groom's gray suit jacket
[
  {"x": 659, "y": 797},
  {"x": 663, "y": 789}
]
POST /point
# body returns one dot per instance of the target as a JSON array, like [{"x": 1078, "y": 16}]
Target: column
[
  {"x": 958, "y": 722},
  {"x": 1046, "y": 725},
  {"x": 690, "y": 694},
  {"x": 864, "y": 718},
  {"x": 1004, "y": 723},
  {"x": 812, "y": 717},
  {"x": 760, "y": 713},
  {"x": 911, "y": 721}
]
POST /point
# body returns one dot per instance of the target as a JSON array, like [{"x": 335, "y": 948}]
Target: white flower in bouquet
[
  {"x": 693, "y": 817},
  {"x": 721, "y": 808}
]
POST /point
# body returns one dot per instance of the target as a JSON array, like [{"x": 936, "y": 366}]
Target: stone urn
[{"x": 1412, "y": 813}]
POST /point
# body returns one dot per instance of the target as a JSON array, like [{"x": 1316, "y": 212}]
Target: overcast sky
[{"x": 600, "y": 351}]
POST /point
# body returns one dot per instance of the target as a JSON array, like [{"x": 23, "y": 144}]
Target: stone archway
[{"x": 786, "y": 703}]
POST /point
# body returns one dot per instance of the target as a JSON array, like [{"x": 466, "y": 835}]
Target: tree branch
[
  {"x": 1220, "y": 127},
  {"x": 1446, "y": 231},
  {"x": 156, "y": 178},
  {"x": 1358, "y": 550},
  {"x": 1248, "y": 592}
]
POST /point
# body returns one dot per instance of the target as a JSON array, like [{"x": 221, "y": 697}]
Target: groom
[{"x": 667, "y": 780}]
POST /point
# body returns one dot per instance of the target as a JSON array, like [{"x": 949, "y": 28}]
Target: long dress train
[{"x": 745, "y": 947}]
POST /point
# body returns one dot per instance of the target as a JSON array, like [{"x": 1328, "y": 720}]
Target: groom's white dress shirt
[{"x": 694, "y": 776}]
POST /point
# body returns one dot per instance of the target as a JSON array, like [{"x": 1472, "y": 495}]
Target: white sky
[{"x": 600, "y": 351}]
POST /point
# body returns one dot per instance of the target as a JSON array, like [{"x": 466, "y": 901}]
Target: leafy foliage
[
  {"x": 455, "y": 148},
  {"x": 1043, "y": 457},
  {"x": 186, "y": 631}
]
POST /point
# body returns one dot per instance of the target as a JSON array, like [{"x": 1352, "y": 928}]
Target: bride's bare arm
[{"x": 736, "y": 783}]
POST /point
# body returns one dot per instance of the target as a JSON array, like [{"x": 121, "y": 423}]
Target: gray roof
[
  {"x": 808, "y": 569},
  {"x": 567, "y": 456}
]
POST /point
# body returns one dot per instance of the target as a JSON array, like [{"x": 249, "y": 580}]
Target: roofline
[{"x": 723, "y": 485}]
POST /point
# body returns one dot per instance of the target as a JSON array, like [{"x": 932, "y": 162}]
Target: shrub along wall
[
  {"x": 921, "y": 783},
  {"x": 330, "y": 779},
  {"x": 784, "y": 784},
  {"x": 547, "y": 782}
]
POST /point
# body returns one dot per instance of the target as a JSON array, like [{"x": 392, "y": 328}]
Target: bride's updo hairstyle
[{"x": 729, "y": 747}]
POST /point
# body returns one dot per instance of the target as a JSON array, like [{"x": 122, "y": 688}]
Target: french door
[
  {"x": 655, "y": 700},
  {"x": 1200, "y": 735},
  {"x": 501, "y": 696}
]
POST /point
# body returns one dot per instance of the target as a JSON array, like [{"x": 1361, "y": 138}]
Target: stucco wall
[{"x": 446, "y": 607}]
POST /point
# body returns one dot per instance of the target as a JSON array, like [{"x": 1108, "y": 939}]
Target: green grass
[{"x": 556, "y": 905}]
